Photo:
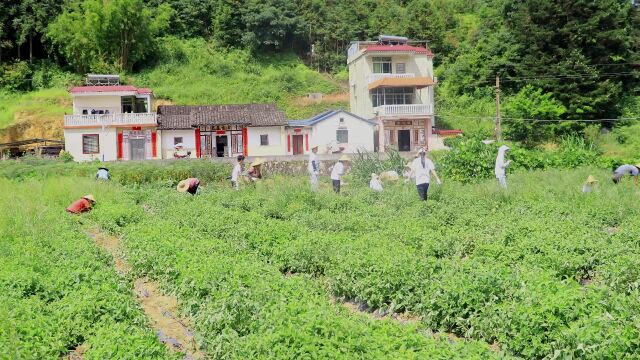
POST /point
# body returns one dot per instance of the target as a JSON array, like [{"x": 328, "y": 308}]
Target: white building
[
  {"x": 331, "y": 131},
  {"x": 111, "y": 122},
  {"x": 391, "y": 81},
  {"x": 223, "y": 130}
]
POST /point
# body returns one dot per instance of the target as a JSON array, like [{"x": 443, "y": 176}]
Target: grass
[{"x": 37, "y": 106}]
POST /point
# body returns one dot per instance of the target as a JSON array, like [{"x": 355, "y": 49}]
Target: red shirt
[{"x": 79, "y": 206}]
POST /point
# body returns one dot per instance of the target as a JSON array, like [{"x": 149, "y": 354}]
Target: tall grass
[{"x": 47, "y": 103}]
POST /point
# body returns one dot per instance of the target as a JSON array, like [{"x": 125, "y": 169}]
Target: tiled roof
[
  {"x": 323, "y": 116},
  {"x": 189, "y": 116},
  {"x": 398, "y": 48},
  {"x": 109, "y": 88}
]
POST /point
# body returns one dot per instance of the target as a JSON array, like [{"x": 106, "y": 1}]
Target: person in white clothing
[
  {"x": 237, "y": 172},
  {"x": 314, "y": 168},
  {"x": 375, "y": 184},
  {"x": 337, "y": 172},
  {"x": 421, "y": 169},
  {"x": 501, "y": 166}
]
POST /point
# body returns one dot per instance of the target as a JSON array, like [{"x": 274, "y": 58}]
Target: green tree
[{"x": 530, "y": 103}]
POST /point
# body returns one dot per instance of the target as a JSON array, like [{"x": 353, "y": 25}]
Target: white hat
[
  {"x": 344, "y": 158},
  {"x": 90, "y": 198}
]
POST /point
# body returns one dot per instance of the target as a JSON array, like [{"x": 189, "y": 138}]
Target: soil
[
  {"x": 77, "y": 353},
  {"x": 161, "y": 309}
]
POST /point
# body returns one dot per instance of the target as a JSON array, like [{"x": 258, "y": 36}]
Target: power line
[{"x": 536, "y": 120}]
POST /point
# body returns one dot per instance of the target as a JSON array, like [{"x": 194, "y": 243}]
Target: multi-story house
[
  {"x": 111, "y": 121},
  {"x": 391, "y": 81}
]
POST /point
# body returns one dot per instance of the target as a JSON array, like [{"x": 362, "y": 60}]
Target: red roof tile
[
  {"x": 399, "y": 48},
  {"x": 144, "y": 91},
  {"x": 112, "y": 88}
]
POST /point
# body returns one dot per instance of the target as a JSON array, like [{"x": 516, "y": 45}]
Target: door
[
  {"x": 221, "y": 146},
  {"x": 298, "y": 144},
  {"x": 404, "y": 140},
  {"x": 206, "y": 146},
  {"x": 137, "y": 149}
]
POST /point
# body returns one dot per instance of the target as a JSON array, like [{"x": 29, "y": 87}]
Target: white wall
[
  {"x": 188, "y": 140},
  {"x": 360, "y": 133},
  {"x": 277, "y": 141},
  {"x": 98, "y": 102},
  {"x": 108, "y": 144}
]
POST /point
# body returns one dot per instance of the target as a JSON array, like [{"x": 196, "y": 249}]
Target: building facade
[
  {"x": 111, "y": 122},
  {"x": 332, "y": 131},
  {"x": 391, "y": 81}
]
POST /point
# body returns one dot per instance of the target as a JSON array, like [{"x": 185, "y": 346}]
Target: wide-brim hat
[
  {"x": 638, "y": 165},
  {"x": 183, "y": 186},
  {"x": 591, "y": 179},
  {"x": 258, "y": 161},
  {"x": 178, "y": 145},
  {"x": 315, "y": 147},
  {"x": 90, "y": 198},
  {"x": 103, "y": 168},
  {"x": 344, "y": 158}
]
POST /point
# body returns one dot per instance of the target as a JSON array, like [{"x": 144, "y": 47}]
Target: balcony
[
  {"x": 107, "y": 120},
  {"x": 404, "y": 110},
  {"x": 375, "y": 77}
]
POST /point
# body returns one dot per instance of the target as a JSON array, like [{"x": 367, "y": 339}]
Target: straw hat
[
  {"x": 591, "y": 179},
  {"x": 183, "y": 186},
  {"x": 258, "y": 161},
  {"x": 90, "y": 198},
  {"x": 638, "y": 165},
  {"x": 344, "y": 158}
]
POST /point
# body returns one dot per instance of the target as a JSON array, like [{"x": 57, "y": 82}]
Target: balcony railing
[
  {"x": 404, "y": 110},
  {"x": 375, "y": 77},
  {"x": 111, "y": 119}
]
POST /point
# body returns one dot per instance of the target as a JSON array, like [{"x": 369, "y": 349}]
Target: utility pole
[{"x": 498, "y": 128}]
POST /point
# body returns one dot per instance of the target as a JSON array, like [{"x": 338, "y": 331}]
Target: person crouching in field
[
  {"x": 375, "y": 184},
  {"x": 626, "y": 169},
  {"x": 237, "y": 172},
  {"x": 255, "y": 170},
  {"x": 337, "y": 172},
  {"x": 501, "y": 166},
  {"x": 189, "y": 185},
  {"x": 421, "y": 168},
  {"x": 82, "y": 205},
  {"x": 589, "y": 184},
  {"x": 103, "y": 174}
]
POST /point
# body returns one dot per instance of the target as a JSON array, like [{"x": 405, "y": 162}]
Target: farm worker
[
  {"x": 626, "y": 169},
  {"x": 375, "y": 184},
  {"x": 103, "y": 174},
  {"x": 337, "y": 172},
  {"x": 314, "y": 168},
  {"x": 254, "y": 173},
  {"x": 421, "y": 168},
  {"x": 501, "y": 166},
  {"x": 189, "y": 185},
  {"x": 589, "y": 184},
  {"x": 237, "y": 171},
  {"x": 82, "y": 205}
]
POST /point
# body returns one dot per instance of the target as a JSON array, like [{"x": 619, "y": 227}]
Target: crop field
[{"x": 275, "y": 271}]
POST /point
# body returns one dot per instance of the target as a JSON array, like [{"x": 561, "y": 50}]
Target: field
[{"x": 275, "y": 271}]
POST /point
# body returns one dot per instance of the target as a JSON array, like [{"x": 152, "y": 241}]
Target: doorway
[
  {"x": 137, "y": 149},
  {"x": 221, "y": 145},
  {"x": 298, "y": 145},
  {"x": 404, "y": 140},
  {"x": 206, "y": 146}
]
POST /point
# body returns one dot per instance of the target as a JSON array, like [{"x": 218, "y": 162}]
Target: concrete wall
[
  {"x": 360, "y": 133},
  {"x": 277, "y": 141},
  {"x": 188, "y": 140},
  {"x": 108, "y": 144},
  {"x": 97, "y": 102}
]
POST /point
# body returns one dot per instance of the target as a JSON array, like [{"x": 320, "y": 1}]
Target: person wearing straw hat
[
  {"x": 189, "y": 185},
  {"x": 236, "y": 172},
  {"x": 375, "y": 184},
  {"x": 254, "y": 173},
  {"x": 314, "y": 168},
  {"x": 103, "y": 174},
  {"x": 626, "y": 169},
  {"x": 82, "y": 205},
  {"x": 337, "y": 172},
  {"x": 589, "y": 184},
  {"x": 422, "y": 168},
  {"x": 501, "y": 166}
]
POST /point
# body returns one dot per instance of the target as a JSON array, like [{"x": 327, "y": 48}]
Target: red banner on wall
[
  {"x": 119, "y": 145},
  {"x": 198, "y": 143},
  {"x": 154, "y": 144}
]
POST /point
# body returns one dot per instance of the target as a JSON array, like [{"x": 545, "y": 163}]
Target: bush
[{"x": 16, "y": 76}]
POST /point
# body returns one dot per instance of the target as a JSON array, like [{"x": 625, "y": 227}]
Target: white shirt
[
  {"x": 338, "y": 170},
  {"x": 237, "y": 171},
  {"x": 501, "y": 163},
  {"x": 422, "y": 173},
  {"x": 375, "y": 185},
  {"x": 312, "y": 158}
]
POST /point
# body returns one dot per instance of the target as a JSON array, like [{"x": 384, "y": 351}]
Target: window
[
  {"x": 127, "y": 104},
  {"x": 90, "y": 144},
  {"x": 401, "y": 68},
  {"x": 177, "y": 140},
  {"x": 421, "y": 137},
  {"x": 236, "y": 143},
  {"x": 342, "y": 136},
  {"x": 391, "y": 96},
  {"x": 264, "y": 140},
  {"x": 85, "y": 112},
  {"x": 382, "y": 65},
  {"x": 341, "y": 121}
]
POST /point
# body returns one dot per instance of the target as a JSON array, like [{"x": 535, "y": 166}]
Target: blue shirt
[
  {"x": 627, "y": 170},
  {"x": 103, "y": 175}
]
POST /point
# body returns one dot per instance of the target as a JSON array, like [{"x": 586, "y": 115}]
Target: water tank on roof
[{"x": 392, "y": 40}]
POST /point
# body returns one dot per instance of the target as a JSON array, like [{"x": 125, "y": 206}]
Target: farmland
[{"x": 275, "y": 271}]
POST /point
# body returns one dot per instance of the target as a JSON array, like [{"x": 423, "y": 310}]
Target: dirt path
[{"x": 160, "y": 309}]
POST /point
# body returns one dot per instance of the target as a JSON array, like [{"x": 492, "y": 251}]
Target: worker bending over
[
  {"x": 103, "y": 174},
  {"x": 626, "y": 169},
  {"x": 189, "y": 185},
  {"x": 82, "y": 205}
]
